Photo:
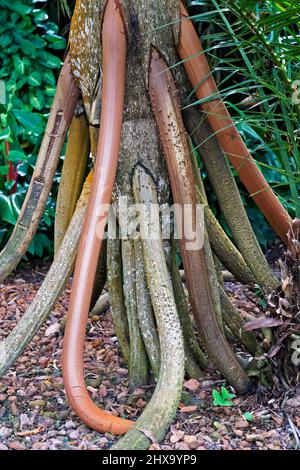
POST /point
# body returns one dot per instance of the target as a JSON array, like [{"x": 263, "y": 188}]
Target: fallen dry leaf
[
  {"x": 31, "y": 432},
  {"x": 262, "y": 323},
  {"x": 177, "y": 435},
  {"x": 189, "y": 409},
  {"x": 52, "y": 329},
  {"x": 192, "y": 385},
  {"x": 278, "y": 420},
  {"x": 294, "y": 402}
]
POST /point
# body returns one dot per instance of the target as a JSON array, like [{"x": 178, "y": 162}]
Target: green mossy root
[
  {"x": 229, "y": 198},
  {"x": 145, "y": 311},
  {"x": 160, "y": 411},
  {"x": 138, "y": 364},
  {"x": 117, "y": 302},
  {"x": 12, "y": 346}
]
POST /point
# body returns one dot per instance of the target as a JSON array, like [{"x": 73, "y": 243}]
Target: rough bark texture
[
  {"x": 198, "y": 263},
  {"x": 192, "y": 349},
  {"x": 145, "y": 311},
  {"x": 229, "y": 199},
  {"x": 40, "y": 185},
  {"x": 117, "y": 303},
  {"x": 138, "y": 364},
  {"x": 72, "y": 176},
  {"x": 221, "y": 244},
  {"x": 54, "y": 282},
  {"x": 161, "y": 409}
]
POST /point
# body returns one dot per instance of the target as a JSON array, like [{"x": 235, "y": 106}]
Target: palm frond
[
  {"x": 64, "y": 7},
  {"x": 254, "y": 51}
]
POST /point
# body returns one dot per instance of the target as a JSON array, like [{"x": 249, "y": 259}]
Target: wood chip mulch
[{"x": 34, "y": 413}]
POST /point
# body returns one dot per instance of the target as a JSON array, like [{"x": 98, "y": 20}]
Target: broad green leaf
[
  {"x": 32, "y": 122},
  {"x": 35, "y": 78},
  {"x": 4, "y": 134},
  {"x": 50, "y": 60},
  {"x": 248, "y": 417},
  {"x": 219, "y": 399},
  {"x": 5, "y": 40},
  {"x": 6, "y": 210},
  {"x": 16, "y": 155},
  {"x": 31, "y": 248},
  {"x": 50, "y": 91},
  {"x": 47, "y": 219},
  {"x": 4, "y": 170},
  {"x": 19, "y": 65},
  {"x": 55, "y": 41},
  {"x": 227, "y": 395},
  {"x": 38, "y": 42},
  {"x": 49, "y": 77},
  {"x": 9, "y": 185},
  {"x": 216, "y": 397},
  {"x": 39, "y": 15},
  {"x": 18, "y": 7},
  {"x": 21, "y": 83},
  {"x": 37, "y": 99}
]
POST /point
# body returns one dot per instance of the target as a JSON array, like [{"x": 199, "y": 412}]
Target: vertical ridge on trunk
[{"x": 160, "y": 411}]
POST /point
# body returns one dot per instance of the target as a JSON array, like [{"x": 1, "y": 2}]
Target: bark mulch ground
[{"x": 34, "y": 413}]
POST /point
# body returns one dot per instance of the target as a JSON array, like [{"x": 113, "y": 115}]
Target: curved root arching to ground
[
  {"x": 62, "y": 111},
  {"x": 72, "y": 176},
  {"x": 142, "y": 152}
]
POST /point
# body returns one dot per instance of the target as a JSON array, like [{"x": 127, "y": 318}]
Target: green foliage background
[{"x": 30, "y": 58}]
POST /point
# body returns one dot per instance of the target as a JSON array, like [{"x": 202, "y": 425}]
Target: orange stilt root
[
  {"x": 114, "y": 61},
  {"x": 197, "y": 68}
]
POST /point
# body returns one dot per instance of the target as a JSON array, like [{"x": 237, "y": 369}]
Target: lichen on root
[
  {"x": 203, "y": 296},
  {"x": 61, "y": 114},
  {"x": 12, "y": 346},
  {"x": 72, "y": 176},
  {"x": 160, "y": 411}
]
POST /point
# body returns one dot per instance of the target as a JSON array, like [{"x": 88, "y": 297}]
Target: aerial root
[
  {"x": 62, "y": 111},
  {"x": 230, "y": 201},
  {"x": 145, "y": 312},
  {"x": 57, "y": 276},
  {"x": 117, "y": 302},
  {"x": 194, "y": 355},
  {"x": 113, "y": 91},
  {"x": 138, "y": 364},
  {"x": 101, "y": 305},
  {"x": 221, "y": 244},
  {"x": 203, "y": 299},
  {"x": 194, "y": 60},
  {"x": 72, "y": 176},
  {"x": 160, "y": 411}
]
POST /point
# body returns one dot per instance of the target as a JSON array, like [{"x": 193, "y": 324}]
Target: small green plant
[
  {"x": 248, "y": 417},
  {"x": 223, "y": 398},
  {"x": 261, "y": 296}
]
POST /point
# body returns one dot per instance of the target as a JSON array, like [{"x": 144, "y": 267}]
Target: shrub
[{"x": 28, "y": 73}]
